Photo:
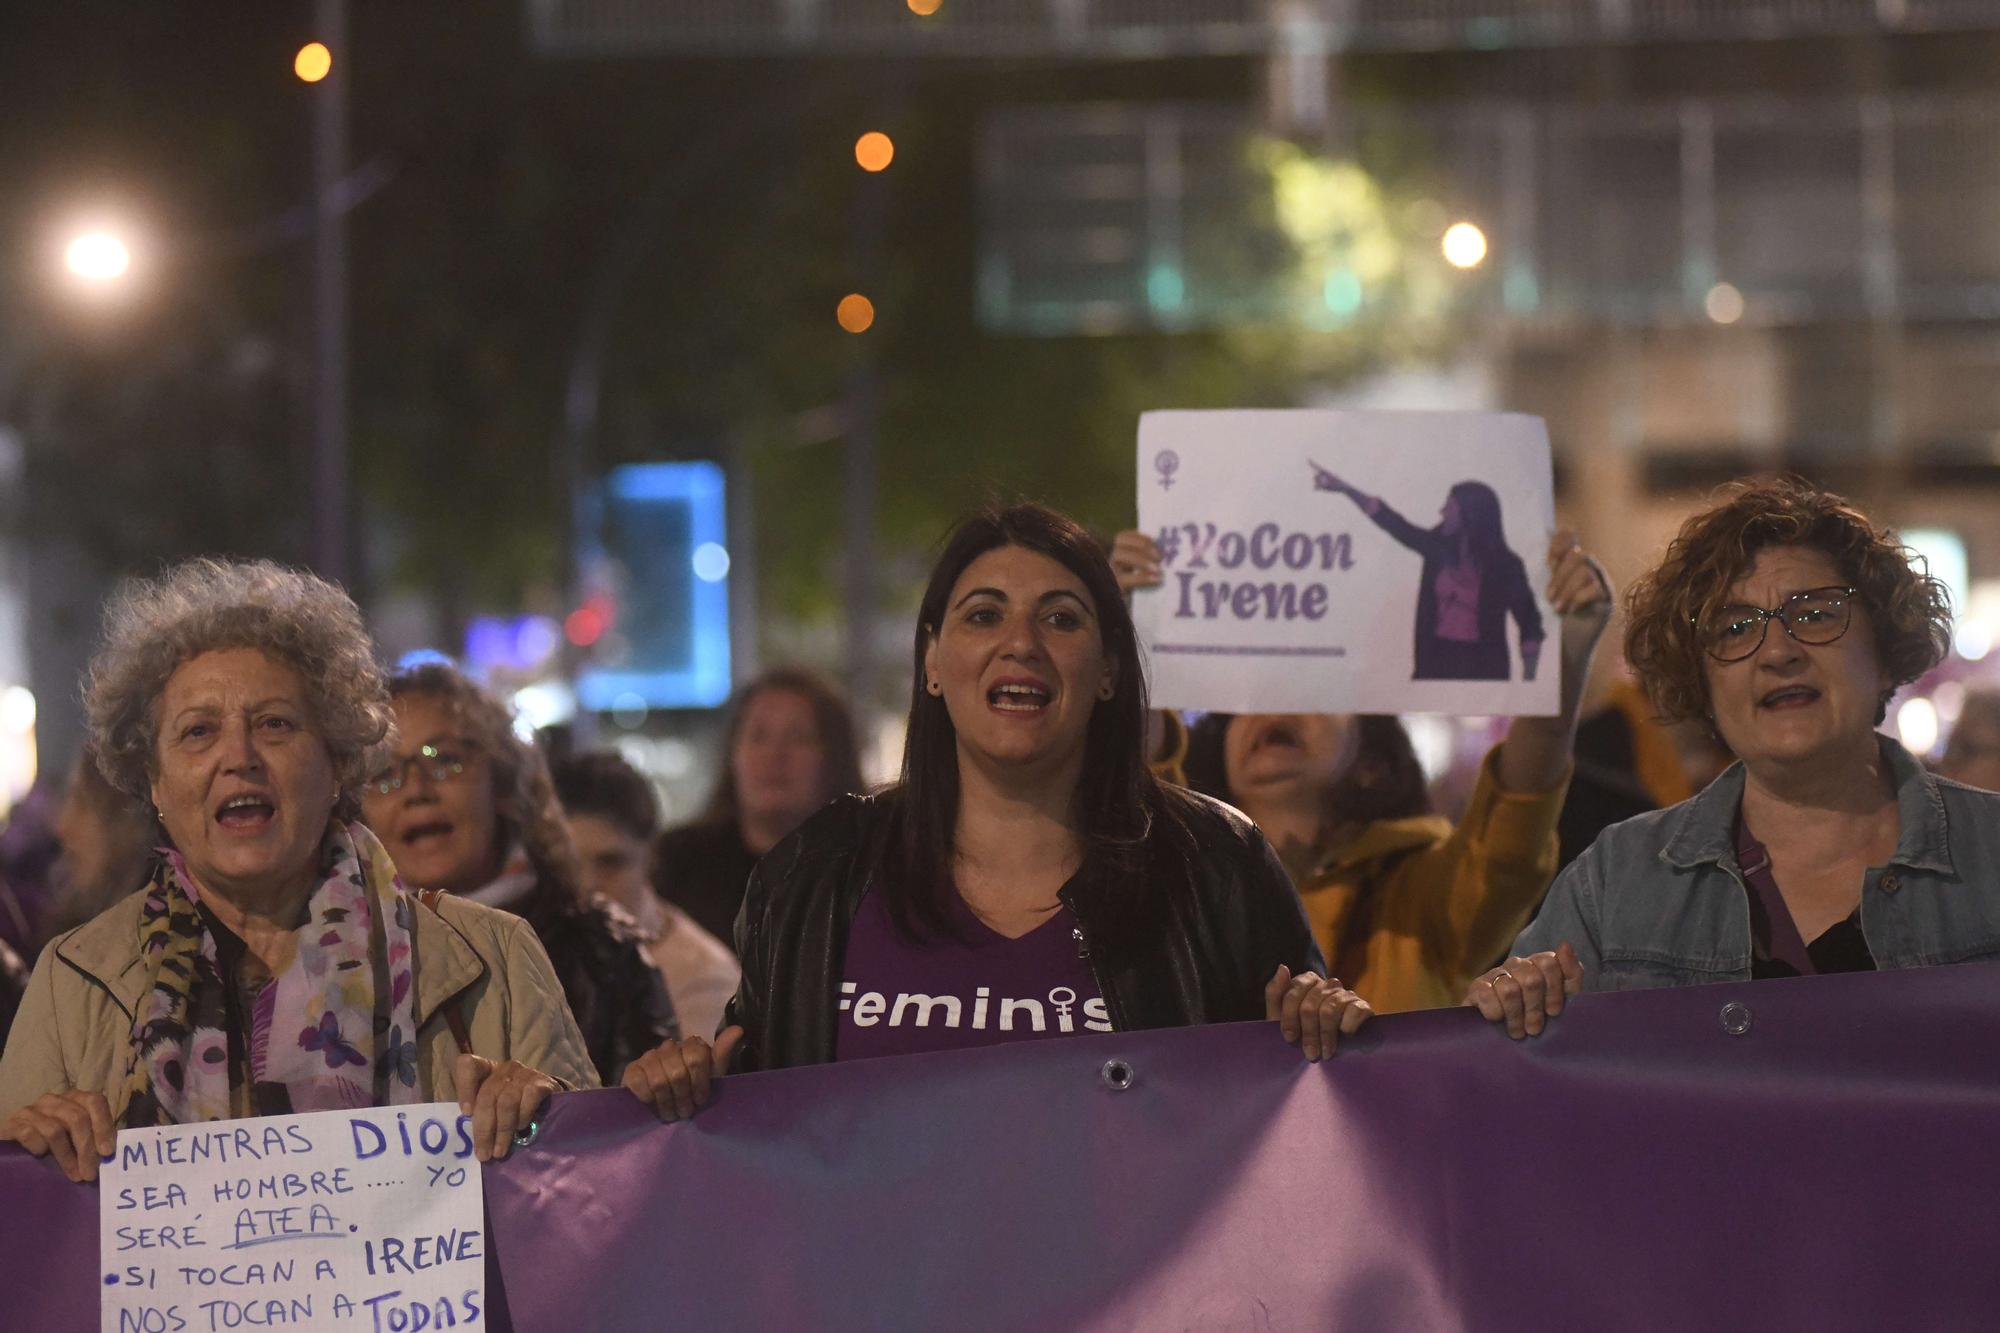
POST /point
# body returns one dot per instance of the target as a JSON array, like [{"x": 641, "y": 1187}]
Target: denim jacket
[{"x": 1660, "y": 901}]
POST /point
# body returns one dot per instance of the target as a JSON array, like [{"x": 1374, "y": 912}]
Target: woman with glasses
[
  {"x": 467, "y": 807},
  {"x": 1786, "y": 620},
  {"x": 272, "y": 961}
]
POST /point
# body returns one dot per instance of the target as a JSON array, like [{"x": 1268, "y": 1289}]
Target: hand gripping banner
[{"x": 1814, "y": 1153}]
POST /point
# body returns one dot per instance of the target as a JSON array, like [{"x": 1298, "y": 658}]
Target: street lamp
[
  {"x": 855, "y": 313},
  {"x": 874, "y": 151},
  {"x": 98, "y": 258},
  {"x": 313, "y": 62},
  {"x": 1464, "y": 245}
]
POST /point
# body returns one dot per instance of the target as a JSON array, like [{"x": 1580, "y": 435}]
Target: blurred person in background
[
  {"x": 28, "y": 851},
  {"x": 788, "y": 748},
  {"x": 614, "y": 818},
  {"x": 107, "y": 841},
  {"x": 273, "y": 962},
  {"x": 1787, "y": 620},
  {"x": 13, "y": 986},
  {"x": 1029, "y": 878},
  {"x": 1972, "y": 755},
  {"x": 465, "y": 806},
  {"x": 1626, "y": 764},
  {"x": 1407, "y": 906}
]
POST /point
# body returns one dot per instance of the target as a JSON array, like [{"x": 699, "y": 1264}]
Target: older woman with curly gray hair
[{"x": 273, "y": 962}]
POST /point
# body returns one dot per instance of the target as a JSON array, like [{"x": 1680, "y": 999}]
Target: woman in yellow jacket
[{"x": 1407, "y": 906}]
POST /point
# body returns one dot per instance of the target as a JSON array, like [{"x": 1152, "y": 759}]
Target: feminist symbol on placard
[{"x": 1166, "y": 463}]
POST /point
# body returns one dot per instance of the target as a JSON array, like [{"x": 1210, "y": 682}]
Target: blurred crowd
[{"x": 281, "y": 879}]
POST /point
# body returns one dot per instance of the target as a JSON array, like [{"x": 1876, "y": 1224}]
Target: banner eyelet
[{"x": 1118, "y": 1075}]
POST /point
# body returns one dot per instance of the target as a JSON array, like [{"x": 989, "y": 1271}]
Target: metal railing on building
[
  {"x": 1141, "y": 29},
  {"x": 1124, "y": 216}
]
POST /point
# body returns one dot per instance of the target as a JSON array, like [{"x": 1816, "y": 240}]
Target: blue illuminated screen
[{"x": 673, "y": 623}]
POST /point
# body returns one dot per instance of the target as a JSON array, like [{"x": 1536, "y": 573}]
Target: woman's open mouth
[
  {"x": 1021, "y": 697},
  {"x": 422, "y": 837},
  {"x": 246, "y": 813},
  {"x": 1791, "y": 696},
  {"x": 1278, "y": 735}
]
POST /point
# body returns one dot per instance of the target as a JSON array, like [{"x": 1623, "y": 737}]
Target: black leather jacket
[
  {"x": 621, "y": 1005},
  {"x": 13, "y": 985},
  {"x": 1203, "y": 956}
]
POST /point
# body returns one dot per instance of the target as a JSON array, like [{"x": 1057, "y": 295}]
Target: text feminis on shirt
[{"x": 949, "y": 1011}]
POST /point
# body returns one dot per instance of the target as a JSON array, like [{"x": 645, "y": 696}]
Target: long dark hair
[
  {"x": 840, "y": 756},
  {"x": 1118, "y": 805},
  {"x": 1385, "y": 781},
  {"x": 1479, "y": 518}
]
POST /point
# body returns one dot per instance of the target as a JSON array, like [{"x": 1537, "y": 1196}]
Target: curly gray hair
[{"x": 152, "y": 627}]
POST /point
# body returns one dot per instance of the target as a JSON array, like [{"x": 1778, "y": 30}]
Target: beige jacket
[{"x": 74, "y": 1028}]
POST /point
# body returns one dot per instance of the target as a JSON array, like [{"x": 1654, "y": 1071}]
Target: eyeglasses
[
  {"x": 1816, "y": 616},
  {"x": 439, "y": 766}
]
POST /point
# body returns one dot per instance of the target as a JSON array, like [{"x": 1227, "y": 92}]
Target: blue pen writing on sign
[
  {"x": 393, "y": 1313},
  {"x": 433, "y": 1138}
]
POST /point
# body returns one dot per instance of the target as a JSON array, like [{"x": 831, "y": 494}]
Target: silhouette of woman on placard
[{"x": 1470, "y": 584}]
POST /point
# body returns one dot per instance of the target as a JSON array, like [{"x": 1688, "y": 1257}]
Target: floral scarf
[{"x": 335, "y": 1030}]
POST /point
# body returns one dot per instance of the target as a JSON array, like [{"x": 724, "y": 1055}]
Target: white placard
[
  {"x": 369, "y": 1220},
  {"x": 1281, "y": 597}
]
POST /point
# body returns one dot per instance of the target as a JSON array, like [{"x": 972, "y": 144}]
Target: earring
[
  {"x": 934, "y": 687},
  {"x": 1106, "y": 691}
]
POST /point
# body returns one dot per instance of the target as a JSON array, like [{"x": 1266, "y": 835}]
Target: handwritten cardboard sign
[
  {"x": 1331, "y": 561},
  {"x": 367, "y": 1220}
]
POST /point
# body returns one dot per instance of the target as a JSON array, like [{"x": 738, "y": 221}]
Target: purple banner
[{"x": 1821, "y": 1152}]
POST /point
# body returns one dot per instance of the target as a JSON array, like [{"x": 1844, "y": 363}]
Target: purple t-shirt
[{"x": 898, "y": 998}]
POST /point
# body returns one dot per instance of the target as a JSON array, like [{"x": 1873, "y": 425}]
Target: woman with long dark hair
[
  {"x": 788, "y": 748},
  {"x": 1028, "y": 877},
  {"x": 1471, "y": 583}
]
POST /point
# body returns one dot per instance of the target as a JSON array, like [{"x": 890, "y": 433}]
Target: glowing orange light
[
  {"x": 924, "y": 8},
  {"x": 874, "y": 150},
  {"x": 856, "y": 313},
  {"x": 313, "y": 62}
]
